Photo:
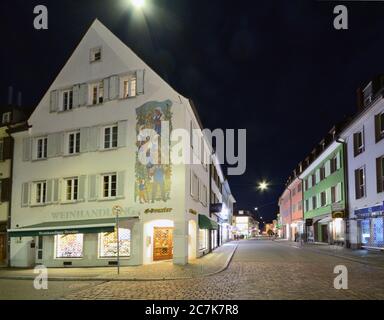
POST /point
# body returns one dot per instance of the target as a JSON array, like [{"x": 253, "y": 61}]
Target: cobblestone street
[{"x": 259, "y": 270}]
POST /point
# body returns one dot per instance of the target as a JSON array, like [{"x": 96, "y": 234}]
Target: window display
[
  {"x": 108, "y": 243},
  {"x": 203, "y": 239},
  {"x": 69, "y": 246}
]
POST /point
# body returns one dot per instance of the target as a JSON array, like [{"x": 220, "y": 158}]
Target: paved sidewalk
[
  {"x": 210, "y": 264},
  {"x": 371, "y": 257}
]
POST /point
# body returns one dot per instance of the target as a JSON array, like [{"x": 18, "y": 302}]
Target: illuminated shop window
[
  {"x": 365, "y": 231},
  {"x": 203, "y": 241},
  {"x": 69, "y": 246},
  {"x": 108, "y": 244}
]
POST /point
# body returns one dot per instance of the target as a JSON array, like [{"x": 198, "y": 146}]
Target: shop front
[
  {"x": 297, "y": 230},
  {"x": 371, "y": 226},
  {"x": 208, "y": 233}
]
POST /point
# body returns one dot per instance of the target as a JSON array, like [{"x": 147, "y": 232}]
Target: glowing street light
[
  {"x": 138, "y": 3},
  {"x": 263, "y": 186}
]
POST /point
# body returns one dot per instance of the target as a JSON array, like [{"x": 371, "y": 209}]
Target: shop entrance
[
  {"x": 324, "y": 233},
  {"x": 162, "y": 243},
  {"x": 3, "y": 248}
]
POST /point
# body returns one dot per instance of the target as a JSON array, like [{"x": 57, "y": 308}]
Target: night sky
[{"x": 276, "y": 68}]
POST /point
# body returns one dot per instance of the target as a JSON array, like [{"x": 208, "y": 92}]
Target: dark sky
[{"x": 276, "y": 68}]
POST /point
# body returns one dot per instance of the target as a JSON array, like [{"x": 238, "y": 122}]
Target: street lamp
[
  {"x": 138, "y": 3},
  {"x": 263, "y": 185}
]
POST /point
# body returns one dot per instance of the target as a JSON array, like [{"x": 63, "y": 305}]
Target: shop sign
[
  {"x": 338, "y": 215},
  {"x": 337, "y": 207},
  {"x": 192, "y": 211},
  {"x": 376, "y": 211},
  {"x": 216, "y": 207},
  {"x": 162, "y": 210}
]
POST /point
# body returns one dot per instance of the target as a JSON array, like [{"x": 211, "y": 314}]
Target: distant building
[{"x": 245, "y": 225}]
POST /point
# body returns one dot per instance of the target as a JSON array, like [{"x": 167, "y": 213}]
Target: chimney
[
  {"x": 19, "y": 99},
  {"x": 360, "y": 99},
  {"x": 10, "y": 95}
]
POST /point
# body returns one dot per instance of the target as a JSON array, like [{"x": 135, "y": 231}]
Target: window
[
  {"x": 73, "y": 142},
  {"x": 41, "y": 145},
  {"x": 322, "y": 173},
  {"x": 195, "y": 186},
  {"x": 110, "y": 137},
  {"x": 95, "y": 54},
  {"x": 299, "y": 187},
  {"x": 314, "y": 202},
  {"x": 306, "y": 184},
  {"x": 109, "y": 185},
  {"x": 360, "y": 183},
  {"x": 40, "y": 192},
  {"x": 379, "y": 126},
  {"x": 313, "y": 177},
  {"x": 323, "y": 199},
  {"x": 299, "y": 206},
  {"x": 307, "y": 205},
  {"x": 367, "y": 94},
  {"x": 69, "y": 246},
  {"x": 333, "y": 162},
  {"x": 333, "y": 194},
  {"x": 6, "y": 117},
  {"x": 108, "y": 244},
  {"x": 204, "y": 195},
  {"x": 380, "y": 174},
  {"x": 203, "y": 239},
  {"x": 71, "y": 189},
  {"x": 67, "y": 100},
  {"x": 97, "y": 93},
  {"x": 358, "y": 143},
  {"x": 130, "y": 87}
]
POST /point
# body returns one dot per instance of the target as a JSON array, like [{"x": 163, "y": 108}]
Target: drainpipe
[{"x": 347, "y": 242}]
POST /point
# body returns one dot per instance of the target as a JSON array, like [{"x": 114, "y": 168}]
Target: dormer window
[
  {"x": 97, "y": 93},
  {"x": 367, "y": 94},
  {"x": 95, "y": 54},
  {"x": 6, "y": 118}
]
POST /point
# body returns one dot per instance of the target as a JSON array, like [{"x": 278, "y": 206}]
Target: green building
[{"x": 324, "y": 196}]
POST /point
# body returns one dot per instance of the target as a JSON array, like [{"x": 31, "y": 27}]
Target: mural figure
[{"x": 153, "y": 178}]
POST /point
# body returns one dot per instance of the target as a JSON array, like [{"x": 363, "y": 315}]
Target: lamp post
[{"x": 117, "y": 210}]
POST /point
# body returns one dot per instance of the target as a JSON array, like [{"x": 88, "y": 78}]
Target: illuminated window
[
  {"x": 203, "y": 239},
  {"x": 108, "y": 244},
  {"x": 130, "y": 87},
  {"x": 69, "y": 246}
]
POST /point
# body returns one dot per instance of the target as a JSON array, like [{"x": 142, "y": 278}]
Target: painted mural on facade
[{"x": 153, "y": 180}]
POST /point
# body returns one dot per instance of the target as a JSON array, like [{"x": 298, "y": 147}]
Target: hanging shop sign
[
  {"x": 338, "y": 214},
  {"x": 308, "y": 222},
  {"x": 215, "y": 207},
  {"x": 154, "y": 210}
]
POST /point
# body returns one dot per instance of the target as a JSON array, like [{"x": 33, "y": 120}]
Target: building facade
[
  {"x": 245, "y": 226},
  {"x": 364, "y": 137},
  {"x": 285, "y": 209},
  {"x": 324, "y": 195},
  {"x": 89, "y": 156},
  {"x": 9, "y": 118}
]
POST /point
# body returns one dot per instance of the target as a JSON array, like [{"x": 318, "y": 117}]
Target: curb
[{"x": 95, "y": 279}]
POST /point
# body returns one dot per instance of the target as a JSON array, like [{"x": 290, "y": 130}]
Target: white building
[
  {"x": 365, "y": 143},
  {"x": 79, "y": 159}
]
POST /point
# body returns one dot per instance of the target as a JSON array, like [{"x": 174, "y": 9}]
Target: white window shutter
[
  {"x": 327, "y": 168},
  {"x": 49, "y": 198},
  {"x": 122, "y": 134},
  {"x": 83, "y": 94},
  {"x": 60, "y": 139},
  {"x": 25, "y": 194},
  {"x": 310, "y": 181},
  {"x": 55, "y": 191},
  {"x": 76, "y": 96},
  {"x": 81, "y": 193},
  {"x": 120, "y": 183},
  {"x": 84, "y": 138},
  {"x": 27, "y": 149},
  {"x": 54, "y": 101},
  {"x": 52, "y": 146},
  {"x": 94, "y": 139},
  {"x": 106, "y": 89},
  {"x": 328, "y": 193},
  {"x": 114, "y": 87},
  {"x": 93, "y": 187},
  {"x": 317, "y": 175},
  {"x": 140, "y": 81},
  {"x": 338, "y": 192}
]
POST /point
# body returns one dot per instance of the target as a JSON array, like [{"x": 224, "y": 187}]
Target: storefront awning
[
  {"x": 206, "y": 223},
  {"x": 68, "y": 227}
]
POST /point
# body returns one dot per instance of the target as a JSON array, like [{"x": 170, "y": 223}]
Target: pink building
[{"x": 291, "y": 208}]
